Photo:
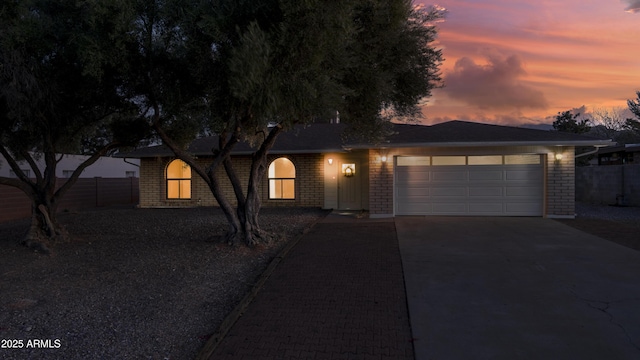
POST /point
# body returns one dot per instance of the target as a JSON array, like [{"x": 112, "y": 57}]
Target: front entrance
[{"x": 349, "y": 185}]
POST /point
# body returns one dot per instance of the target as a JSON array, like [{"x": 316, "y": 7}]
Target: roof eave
[
  {"x": 236, "y": 153},
  {"x": 597, "y": 143}
]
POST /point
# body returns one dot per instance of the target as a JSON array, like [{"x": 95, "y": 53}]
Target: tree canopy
[
  {"x": 568, "y": 122},
  {"x": 73, "y": 74},
  {"x": 248, "y": 70},
  {"x": 59, "y": 65}
]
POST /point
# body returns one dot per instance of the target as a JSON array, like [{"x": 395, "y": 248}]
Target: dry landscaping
[{"x": 133, "y": 284}]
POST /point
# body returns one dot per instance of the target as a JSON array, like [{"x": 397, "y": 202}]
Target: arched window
[
  {"x": 282, "y": 178},
  {"x": 178, "y": 180}
]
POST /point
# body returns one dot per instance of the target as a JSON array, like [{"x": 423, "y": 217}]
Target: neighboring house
[
  {"x": 453, "y": 168},
  {"x": 619, "y": 155},
  {"x": 106, "y": 167}
]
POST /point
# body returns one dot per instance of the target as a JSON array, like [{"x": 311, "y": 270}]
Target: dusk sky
[{"x": 516, "y": 62}]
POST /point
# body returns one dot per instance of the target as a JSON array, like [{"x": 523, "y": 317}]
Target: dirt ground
[
  {"x": 132, "y": 284},
  {"x": 624, "y": 231}
]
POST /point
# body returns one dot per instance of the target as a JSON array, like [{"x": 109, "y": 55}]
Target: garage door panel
[
  {"x": 480, "y": 191},
  {"x": 449, "y": 208},
  {"x": 526, "y": 191},
  {"x": 408, "y": 192},
  {"x": 449, "y": 175},
  {"x": 486, "y": 175},
  {"x": 485, "y": 208},
  {"x": 413, "y": 177},
  {"x": 523, "y": 175},
  {"x": 448, "y": 191}
]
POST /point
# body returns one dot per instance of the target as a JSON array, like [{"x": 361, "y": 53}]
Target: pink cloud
[{"x": 496, "y": 85}]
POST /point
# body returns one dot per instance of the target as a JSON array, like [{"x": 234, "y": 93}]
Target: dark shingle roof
[
  {"x": 464, "y": 133},
  {"x": 323, "y": 138}
]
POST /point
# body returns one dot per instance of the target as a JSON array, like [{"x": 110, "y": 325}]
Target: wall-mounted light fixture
[
  {"x": 558, "y": 156},
  {"x": 348, "y": 170},
  {"x": 383, "y": 154},
  {"x": 330, "y": 160}
]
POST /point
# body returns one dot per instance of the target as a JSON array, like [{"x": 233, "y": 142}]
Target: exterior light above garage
[
  {"x": 383, "y": 154},
  {"x": 330, "y": 161}
]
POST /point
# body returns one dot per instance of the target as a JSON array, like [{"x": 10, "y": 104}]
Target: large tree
[
  {"x": 567, "y": 121},
  {"x": 248, "y": 70},
  {"x": 58, "y": 94}
]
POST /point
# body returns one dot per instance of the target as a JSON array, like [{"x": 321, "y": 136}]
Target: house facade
[{"x": 455, "y": 169}]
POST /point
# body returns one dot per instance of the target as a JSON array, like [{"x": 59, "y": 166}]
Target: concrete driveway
[{"x": 518, "y": 288}]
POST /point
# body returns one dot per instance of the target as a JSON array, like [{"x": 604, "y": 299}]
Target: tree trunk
[
  {"x": 252, "y": 233},
  {"x": 45, "y": 230},
  {"x": 249, "y": 207}
]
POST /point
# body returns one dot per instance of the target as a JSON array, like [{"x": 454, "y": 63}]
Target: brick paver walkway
[{"x": 339, "y": 294}]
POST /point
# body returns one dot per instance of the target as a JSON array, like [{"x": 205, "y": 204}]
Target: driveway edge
[{"x": 226, "y": 325}]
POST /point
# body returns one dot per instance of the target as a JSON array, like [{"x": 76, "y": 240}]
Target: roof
[
  {"x": 464, "y": 133},
  {"x": 628, "y": 148},
  {"x": 324, "y": 138}
]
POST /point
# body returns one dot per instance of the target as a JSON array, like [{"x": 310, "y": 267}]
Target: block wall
[{"x": 609, "y": 185}]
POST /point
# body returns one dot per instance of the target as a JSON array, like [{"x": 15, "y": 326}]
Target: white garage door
[{"x": 492, "y": 185}]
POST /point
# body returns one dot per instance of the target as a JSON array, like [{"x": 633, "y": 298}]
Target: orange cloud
[
  {"x": 495, "y": 85},
  {"x": 522, "y": 62}
]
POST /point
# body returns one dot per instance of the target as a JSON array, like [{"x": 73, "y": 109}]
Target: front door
[{"x": 349, "y": 185}]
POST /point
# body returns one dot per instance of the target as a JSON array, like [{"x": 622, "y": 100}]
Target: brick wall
[
  {"x": 309, "y": 187},
  {"x": 85, "y": 193},
  {"x": 611, "y": 184},
  {"x": 380, "y": 184},
  {"x": 560, "y": 182}
]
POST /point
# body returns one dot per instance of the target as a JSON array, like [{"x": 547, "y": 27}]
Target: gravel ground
[
  {"x": 614, "y": 223},
  {"x": 134, "y": 284}
]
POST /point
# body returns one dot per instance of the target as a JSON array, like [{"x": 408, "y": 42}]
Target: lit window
[
  {"x": 522, "y": 159},
  {"x": 282, "y": 175},
  {"x": 449, "y": 160},
  {"x": 485, "y": 160},
  {"x": 178, "y": 180}
]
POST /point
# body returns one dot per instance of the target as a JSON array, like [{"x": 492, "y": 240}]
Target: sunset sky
[{"x": 517, "y": 62}]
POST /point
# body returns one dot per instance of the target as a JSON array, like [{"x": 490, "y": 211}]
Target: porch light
[
  {"x": 558, "y": 156},
  {"x": 330, "y": 160},
  {"x": 348, "y": 170},
  {"x": 383, "y": 154}
]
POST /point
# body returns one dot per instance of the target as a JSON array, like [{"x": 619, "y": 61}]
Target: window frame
[
  {"x": 271, "y": 181},
  {"x": 179, "y": 182}
]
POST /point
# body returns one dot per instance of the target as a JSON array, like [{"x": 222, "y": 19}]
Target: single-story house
[
  {"x": 453, "y": 168},
  {"x": 619, "y": 155}
]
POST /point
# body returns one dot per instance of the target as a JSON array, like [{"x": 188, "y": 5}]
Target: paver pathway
[{"x": 338, "y": 294}]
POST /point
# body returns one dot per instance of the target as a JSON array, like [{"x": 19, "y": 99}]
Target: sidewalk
[{"x": 338, "y": 294}]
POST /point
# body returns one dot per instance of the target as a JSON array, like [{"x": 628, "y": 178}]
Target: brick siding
[
  {"x": 380, "y": 184},
  {"x": 560, "y": 181},
  {"x": 309, "y": 187}
]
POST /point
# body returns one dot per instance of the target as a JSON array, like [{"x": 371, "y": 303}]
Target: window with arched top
[
  {"x": 178, "y": 180},
  {"x": 282, "y": 179}
]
